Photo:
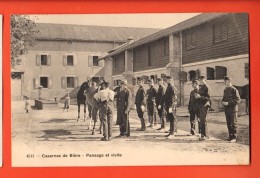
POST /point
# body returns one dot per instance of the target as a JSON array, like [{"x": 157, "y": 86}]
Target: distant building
[
  {"x": 210, "y": 44},
  {"x": 65, "y": 55}
]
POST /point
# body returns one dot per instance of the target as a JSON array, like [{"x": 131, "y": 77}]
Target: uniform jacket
[
  {"x": 170, "y": 96},
  {"x": 160, "y": 95},
  {"x": 204, "y": 92},
  {"x": 124, "y": 98},
  {"x": 193, "y": 103},
  {"x": 140, "y": 96},
  {"x": 231, "y": 96},
  {"x": 151, "y": 95}
]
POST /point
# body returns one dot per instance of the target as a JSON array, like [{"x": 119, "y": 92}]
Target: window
[
  {"x": 246, "y": 70},
  {"x": 44, "y": 82},
  {"x": 220, "y": 32},
  {"x": 70, "y": 82},
  {"x": 95, "y": 61},
  {"x": 221, "y": 72},
  {"x": 210, "y": 73},
  {"x": 191, "y": 40},
  {"x": 149, "y": 56},
  {"x": 115, "y": 62},
  {"x": 70, "y": 60},
  {"x": 44, "y": 60}
]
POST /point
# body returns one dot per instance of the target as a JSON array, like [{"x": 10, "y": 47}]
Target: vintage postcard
[{"x": 130, "y": 89}]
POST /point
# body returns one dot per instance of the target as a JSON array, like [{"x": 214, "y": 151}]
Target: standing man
[
  {"x": 193, "y": 107},
  {"x": 170, "y": 106},
  {"x": 203, "y": 99},
  {"x": 160, "y": 103},
  {"x": 151, "y": 103},
  {"x": 106, "y": 98},
  {"x": 124, "y": 97},
  {"x": 140, "y": 103},
  {"x": 230, "y": 101}
]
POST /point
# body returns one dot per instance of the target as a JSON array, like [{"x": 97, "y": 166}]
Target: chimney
[{"x": 130, "y": 40}]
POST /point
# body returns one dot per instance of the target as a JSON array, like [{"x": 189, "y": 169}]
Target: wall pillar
[
  {"x": 174, "y": 66},
  {"x": 128, "y": 74}
]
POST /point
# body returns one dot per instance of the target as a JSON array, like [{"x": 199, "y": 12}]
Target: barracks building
[
  {"x": 210, "y": 44},
  {"x": 63, "y": 57}
]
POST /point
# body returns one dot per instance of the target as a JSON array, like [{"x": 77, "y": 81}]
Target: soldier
[
  {"x": 193, "y": 107},
  {"x": 106, "y": 98},
  {"x": 160, "y": 104},
  {"x": 140, "y": 103},
  {"x": 230, "y": 101},
  {"x": 124, "y": 97},
  {"x": 203, "y": 99},
  {"x": 151, "y": 103},
  {"x": 170, "y": 102}
]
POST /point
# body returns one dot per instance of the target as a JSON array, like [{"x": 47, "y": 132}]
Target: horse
[
  {"x": 244, "y": 94},
  {"x": 93, "y": 108},
  {"x": 81, "y": 98}
]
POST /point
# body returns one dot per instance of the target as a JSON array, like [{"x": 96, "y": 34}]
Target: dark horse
[
  {"x": 244, "y": 94},
  {"x": 81, "y": 98}
]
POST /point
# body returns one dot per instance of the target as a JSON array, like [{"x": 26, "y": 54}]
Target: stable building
[
  {"x": 64, "y": 56},
  {"x": 210, "y": 44}
]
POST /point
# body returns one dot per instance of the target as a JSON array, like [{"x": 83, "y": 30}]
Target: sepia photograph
[{"x": 142, "y": 89}]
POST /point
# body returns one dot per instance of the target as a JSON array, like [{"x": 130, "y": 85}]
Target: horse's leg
[
  {"x": 94, "y": 117},
  {"x": 84, "y": 112},
  {"x": 100, "y": 123},
  {"x": 89, "y": 116},
  {"x": 78, "y": 111}
]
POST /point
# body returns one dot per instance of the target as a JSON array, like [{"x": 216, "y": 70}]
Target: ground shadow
[{"x": 58, "y": 120}]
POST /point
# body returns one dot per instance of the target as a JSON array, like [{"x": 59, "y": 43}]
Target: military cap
[
  {"x": 195, "y": 82},
  {"x": 202, "y": 77},
  {"x": 139, "y": 79},
  {"x": 159, "y": 79},
  {"x": 105, "y": 83},
  {"x": 124, "y": 82},
  {"x": 227, "y": 78}
]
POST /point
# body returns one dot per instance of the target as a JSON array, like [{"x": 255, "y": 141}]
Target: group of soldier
[{"x": 164, "y": 102}]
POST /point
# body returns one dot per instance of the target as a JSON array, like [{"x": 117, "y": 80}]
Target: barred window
[
  {"x": 210, "y": 73},
  {"x": 221, "y": 72},
  {"x": 220, "y": 32}
]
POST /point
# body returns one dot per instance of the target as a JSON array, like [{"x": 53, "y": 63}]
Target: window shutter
[
  {"x": 63, "y": 83},
  {"x": 210, "y": 73},
  {"x": 49, "y": 82},
  {"x": 197, "y": 74},
  {"x": 49, "y": 60},
  {"x": 64, "y": 60},
  {"x": 76, "y": 82},
  {"x": 90, "y": 61},
  {"x": 38, "y": 60},
  {"x": 75, "y": 61},
  {"x": 246, "y": 70},
  {"x": 36, "y": 83}
]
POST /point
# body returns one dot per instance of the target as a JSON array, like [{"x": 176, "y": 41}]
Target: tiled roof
[
  {"x": 199, "y": 19},
  {"x": 48, "y": 31}
]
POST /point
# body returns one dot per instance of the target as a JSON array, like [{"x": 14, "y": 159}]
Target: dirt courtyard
[{"x": 52, "y": 137}]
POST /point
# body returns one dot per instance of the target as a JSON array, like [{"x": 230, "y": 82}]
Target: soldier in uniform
[
  {"x": 140, "y": 103},
  {"x": 170, "y": 102},
  {"x": 151, "y": 103},
  {"x": 203, "y": 99},
  {"x": 230, "y": 101},
  {"x": 193, "y": 107},
  {"x": 160, "y": 103},
  {"x": 124, "y": 97},
  {"x": 106, "y": 98}
]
